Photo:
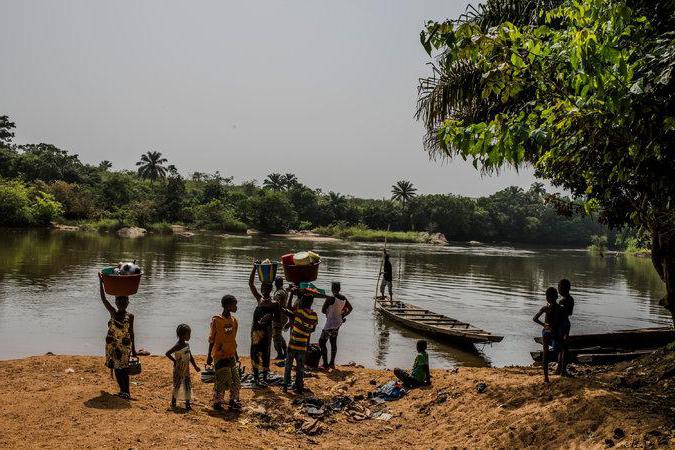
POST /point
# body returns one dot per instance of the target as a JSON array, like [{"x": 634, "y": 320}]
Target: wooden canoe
[
  {"x": 434, "y": 324},
  {"x": 638, "y": 338}
]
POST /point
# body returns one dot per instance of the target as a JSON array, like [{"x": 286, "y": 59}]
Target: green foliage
[
  {"x": 215, "y": 216},
  {"x": 160, "y": 228},
  {"x": 21, "y": 205},
  {"x": 581, "y": 94},
  {"x": 403, "y": 191},
  {"x": 106, "y": 200},
  {"x": 362, "y": 233},
  {"x": 271, "y": 212},
  {"x": 151, "y": 166},
  {"x": 581, "y": 90},
  {"x": 598, "y": 244}
]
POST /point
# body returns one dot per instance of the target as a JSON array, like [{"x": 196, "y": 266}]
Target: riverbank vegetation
[{"x": 40, "y": 183}]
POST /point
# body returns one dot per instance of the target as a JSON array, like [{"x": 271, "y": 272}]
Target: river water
[{"x": 49, "y": 292}]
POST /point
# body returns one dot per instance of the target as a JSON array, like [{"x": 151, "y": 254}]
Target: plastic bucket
[
  {"x": 267, "y": 272},
  {"x": 288, "y": 260},
  {"x": 120, "y": 285},
  {"x": 296, "y": 274}
]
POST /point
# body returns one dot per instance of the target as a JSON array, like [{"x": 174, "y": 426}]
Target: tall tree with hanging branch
[{"x": 582, "y": 91}]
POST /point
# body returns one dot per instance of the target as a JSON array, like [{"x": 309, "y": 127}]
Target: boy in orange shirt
[{"x": 223, "y": 350}]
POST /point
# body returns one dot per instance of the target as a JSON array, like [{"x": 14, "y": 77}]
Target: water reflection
[{"x": 48, "y": 292}]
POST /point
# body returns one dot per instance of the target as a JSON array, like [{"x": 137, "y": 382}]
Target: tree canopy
[
  {"x": 151, "y": 166},
  {"x": 580, "y": 90}
]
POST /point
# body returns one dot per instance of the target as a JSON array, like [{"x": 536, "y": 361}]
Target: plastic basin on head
[
  {"x": 120, "y": 285},
  {"x": 296, "y": 274},
  {"x": 267, "y": 272}
]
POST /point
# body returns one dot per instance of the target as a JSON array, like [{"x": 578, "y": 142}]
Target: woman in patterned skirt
[{"x": 119, "y": 342}]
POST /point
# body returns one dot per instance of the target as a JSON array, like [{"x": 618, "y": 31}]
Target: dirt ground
[{"x": 67, "y": 401}]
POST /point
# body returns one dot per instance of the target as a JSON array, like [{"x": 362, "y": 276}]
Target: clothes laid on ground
[
  {"x": 389, "y": 391},
  {"x": 273, "y": 379},
  {"x": 304, "y": 322},
  {"x": 182, "y": 384},
  {"x": 223, "y": 336},
  {"x": 118, "y": 341},
  {"x": 418, "y": 371}
]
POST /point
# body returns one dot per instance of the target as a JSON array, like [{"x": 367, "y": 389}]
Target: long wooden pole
[{"x": 379, "y": 274}]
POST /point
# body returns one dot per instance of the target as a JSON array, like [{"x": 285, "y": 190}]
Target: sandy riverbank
[{"x": 46, "y": 404}]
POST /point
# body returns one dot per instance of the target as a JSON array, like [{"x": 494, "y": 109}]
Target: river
[{"x": 49, "y": 292}]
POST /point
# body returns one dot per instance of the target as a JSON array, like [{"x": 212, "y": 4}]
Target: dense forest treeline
[{"x": 40, "y": 183}]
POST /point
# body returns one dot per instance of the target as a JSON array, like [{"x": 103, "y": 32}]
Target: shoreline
[{"x": 55, "y": 400}]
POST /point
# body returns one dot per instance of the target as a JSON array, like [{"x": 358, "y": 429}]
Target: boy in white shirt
[{"x": 336, "y": 308}]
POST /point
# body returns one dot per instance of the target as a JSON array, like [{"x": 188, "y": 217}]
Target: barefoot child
[
  {"x": 549, "y": 333},
  {"x": 336, "y": 308},
  {"x": 303, "y": 322},
  {"x": 181, "y": 357},
  {"x": 119, "y": 342},
  {"x": 265, "y": 314},
  {"x": 223, "y": 349},
  {"x": 420, "y": 374}
]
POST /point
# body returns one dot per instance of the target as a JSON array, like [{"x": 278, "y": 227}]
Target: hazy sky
[{"x": 324, "y": 89}]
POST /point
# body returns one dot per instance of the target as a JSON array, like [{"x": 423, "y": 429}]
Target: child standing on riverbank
[
  {"x": 303, "y": 322},
  {"x": 120, "y": 344},
  {"x": 336, "y": 308},
  {"x": 567, "y": 307},
  {"x": 181, "y": 357},
  {"x": 223, "y": 349},
  {"x": 550, "y": 331}
]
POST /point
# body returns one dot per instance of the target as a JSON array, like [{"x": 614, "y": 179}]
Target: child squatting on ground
[
  {"x": 420, "y": 374},
  {"x": 223, "y": 354},
  {"x": 181, "y": 357}
]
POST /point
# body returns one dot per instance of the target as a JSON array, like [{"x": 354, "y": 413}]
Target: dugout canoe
[
  {"x": 433, "y": 324},
  {"x": 638, "y": 338}
]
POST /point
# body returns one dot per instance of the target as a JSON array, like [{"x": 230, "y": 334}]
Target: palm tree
[
  {"x": 275, "y": 181},
  {"x": 403, "y": 191},
  {"x": 105, "y": 165},
  {"x": 150, "y": 166},
  {"x": 290, "y": 180},
  {"x": 336, "y": 205}
]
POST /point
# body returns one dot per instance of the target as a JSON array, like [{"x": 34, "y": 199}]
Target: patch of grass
[
  {"x": 362, "y": 233},
  {"x": 103, "y": 225},
  {"x": 160, "y": 228}
]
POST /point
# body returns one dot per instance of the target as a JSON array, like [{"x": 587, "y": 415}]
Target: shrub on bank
[
  {"x": 216, "y": 217},
  {"x": 21, "y": 205}
]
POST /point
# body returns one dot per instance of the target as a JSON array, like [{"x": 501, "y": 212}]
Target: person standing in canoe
[
  {"x": 387, "y": 277},
  {"x": 119, "y": 342},
  {"x": 281, "y": 298},
  {"x": 264, "y": 315}
]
